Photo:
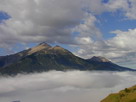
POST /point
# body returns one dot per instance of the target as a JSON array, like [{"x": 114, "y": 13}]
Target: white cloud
[
  {"x": 127, "y": 6},
  {"x": 43, "y": 20},
  {"x": 124, "y": 39},
  {"x": 120, "y": 49},
  {"x": 88, "y": 32},
  {"x": 131, "y": 11},
  {"x": 114, "y": 5},
  {"x": 84, "y": 40},
  {"x": 124, "y": 45},
  {"x": 55, "y": 86},
  {"x": 52, "y": 20}
]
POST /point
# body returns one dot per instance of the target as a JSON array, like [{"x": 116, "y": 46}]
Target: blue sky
[
  {"x": 111, "y": 21},
  {"x": 3, "y": 16},
  {"x": 107, "y": 28}
]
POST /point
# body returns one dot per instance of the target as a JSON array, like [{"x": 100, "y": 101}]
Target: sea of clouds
[{"x": 57, "y": 86}]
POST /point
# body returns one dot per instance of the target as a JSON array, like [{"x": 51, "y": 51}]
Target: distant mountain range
[
  {"x": 44, "y": 57},
  {"x": 126, "y": 95}
]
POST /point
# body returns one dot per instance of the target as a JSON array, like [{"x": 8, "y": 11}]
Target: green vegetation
[{"x": 126, "y": 95}]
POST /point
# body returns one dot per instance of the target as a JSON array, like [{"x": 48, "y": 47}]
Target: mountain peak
[
  {"x": 99, "y": 59},
  {"x": 44, "y": 44},
  {"x": 58, "y": 50},
  {"x": 39, "y": 47},
  {"x": 57, "y": 47}
]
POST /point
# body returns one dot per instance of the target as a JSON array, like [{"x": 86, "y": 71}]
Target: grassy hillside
[{"x": 126, "y": 95}]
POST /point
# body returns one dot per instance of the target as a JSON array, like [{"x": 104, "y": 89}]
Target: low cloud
[{"x": 57, "y": 86}]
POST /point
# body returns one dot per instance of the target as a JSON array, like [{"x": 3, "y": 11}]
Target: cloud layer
[
  {"x": 52, "y": 21},
  {"x": 43, "y": 20},
  {"x": 55, "y": 86}
]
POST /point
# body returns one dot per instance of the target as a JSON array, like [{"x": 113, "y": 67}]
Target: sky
[
  {"x": 86, "y": 27},
  {"x": 57, "y": 86}
]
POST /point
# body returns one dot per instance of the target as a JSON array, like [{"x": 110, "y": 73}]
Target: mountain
[
  {"x": 98, "y": 59},
  {"x": 126, "y": 95},
  {"x": 10, "y": 59},
  {"x": 44, "y": 57},
  {"x": 101, "y": 63}
]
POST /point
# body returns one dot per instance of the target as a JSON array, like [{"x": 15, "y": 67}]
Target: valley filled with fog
[{"x": 70, "y": 86}]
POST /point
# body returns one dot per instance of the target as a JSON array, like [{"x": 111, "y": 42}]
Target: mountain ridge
[
  {"x": 44, "y": 57},
  {"x": 99, "y": 59}
]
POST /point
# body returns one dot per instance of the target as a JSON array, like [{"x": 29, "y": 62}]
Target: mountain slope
[
  {"x": 10, "y": 59},
  {"x": 126, "y": 95},
  {"x": 98, "y": 59},
  {"x": 51, "y": 58},
  {"x": 101, "y": 63},
  {"x": 44, "y": 58}
]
